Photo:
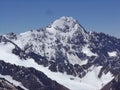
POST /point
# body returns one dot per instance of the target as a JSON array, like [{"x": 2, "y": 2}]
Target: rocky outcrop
[
  {"x": 29, "y": 77},
  {"x": 6, "y": 85}
]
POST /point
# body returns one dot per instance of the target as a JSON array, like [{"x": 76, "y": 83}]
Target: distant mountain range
[{"x": 61, "y": 56}]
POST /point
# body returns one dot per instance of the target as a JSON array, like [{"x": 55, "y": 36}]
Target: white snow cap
[{"x": 65, "y": 24}]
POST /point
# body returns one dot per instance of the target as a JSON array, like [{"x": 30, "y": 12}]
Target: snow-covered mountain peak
[
  {"x": 63, "y": 48},
  {"x": 65, "y": 24},
  {"x": 64, "y": 21},
  {"x": 66, "y": 18}
]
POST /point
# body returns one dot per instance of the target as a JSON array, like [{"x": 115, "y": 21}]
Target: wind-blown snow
[
  {"x": 87, "y": 51},
  {"x": 89, "y": 82},
  {"x": 112, "y": 54},
  {"x": 10, "y": 79}
]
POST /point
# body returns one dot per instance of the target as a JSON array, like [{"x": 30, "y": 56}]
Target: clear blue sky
[{"x": 22, "y": 15}]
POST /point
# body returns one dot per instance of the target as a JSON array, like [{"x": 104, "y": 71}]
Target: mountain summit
[
  {"x": 61, "y": 56},
  {"x": 65, "y": 24}
]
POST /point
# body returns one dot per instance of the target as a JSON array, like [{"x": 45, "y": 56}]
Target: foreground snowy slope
[{"x": 64, "y": 52}]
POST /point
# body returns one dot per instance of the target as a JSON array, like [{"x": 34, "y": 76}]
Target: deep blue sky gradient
[{"x": 22, "y": 15}]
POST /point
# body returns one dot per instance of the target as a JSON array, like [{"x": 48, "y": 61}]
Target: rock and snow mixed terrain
[{"x": 61, "y": 56}]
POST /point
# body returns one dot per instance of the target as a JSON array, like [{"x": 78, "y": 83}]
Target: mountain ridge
[{"x": 65, "y": 47}]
